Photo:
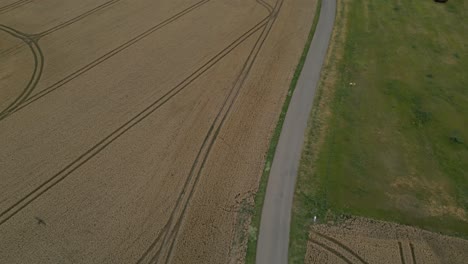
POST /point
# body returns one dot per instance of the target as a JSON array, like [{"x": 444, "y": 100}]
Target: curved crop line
[
  {"x": 331, "y": 250},
  {"x": 142, "y": 115},
  {"x": 343, "y": 246},
  {"x": 189, "y": 188},
  {"x": 246, "y": 35},
  {"x": 32, "y": 42},
  {"x": 85, "y": 157},
  {"x": 266, "y": 5},
  {"x": 107, "y": 56},
  {"x": 229, "y": 103},
  {"x": 36, "y": 75}
]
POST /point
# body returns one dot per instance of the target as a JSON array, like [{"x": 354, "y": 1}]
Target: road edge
[
  {"x": 254, "y": 225},
  {"x": 273, "y": 239}
]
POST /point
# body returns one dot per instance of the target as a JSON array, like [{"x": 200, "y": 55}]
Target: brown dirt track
[
  {"x": 363, "y": 241},
  {"x": 131, "y": 131}
]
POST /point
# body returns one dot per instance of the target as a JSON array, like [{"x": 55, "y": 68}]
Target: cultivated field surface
[
  {"x": 388, "y": 136},
  {"x": 362, "y": 241},
  {"x": 132, "y": 131}
]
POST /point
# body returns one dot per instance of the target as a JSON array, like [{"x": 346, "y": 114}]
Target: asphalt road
[{"x": 273, "y": 238}]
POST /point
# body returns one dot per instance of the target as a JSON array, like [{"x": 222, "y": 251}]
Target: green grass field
[{"x": 396, "y": 142}]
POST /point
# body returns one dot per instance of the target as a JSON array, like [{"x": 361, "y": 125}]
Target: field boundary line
[
  {"x": 275, "y": 226},
  {"x": 259, "y": 196}
]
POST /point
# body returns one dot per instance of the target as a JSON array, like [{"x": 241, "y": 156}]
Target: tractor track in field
[
  {"x": 332, "y": 250},
  {"x": 413, "y": 256},
  {"x": 88, "y": 155},
  {"x": 29, "y": 100},
  {"x": 13, "y": 5},
  {"x": 32, "y": 40},
  {"x": 266, "y": 5},
  {"x": 337, "y": 248},
  {"x": 374, "y": 240},
  {"x": 341, "y": 250},
  {"x": 403, "y": 256},
  {"x": 169, "y": 236},
  {"x": 37, "y": 69},
  {"x": 343, "y": 246},
  {"x": 76, "y": 19},
  {"x": 141, "y": 147}
]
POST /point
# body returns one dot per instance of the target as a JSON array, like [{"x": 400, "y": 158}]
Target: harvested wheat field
[
  {"x": 131, "y": 131},
  {"x": 361, "y": 241}
]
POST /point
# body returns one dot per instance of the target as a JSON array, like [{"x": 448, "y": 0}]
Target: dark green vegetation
[
  {"x": 260, "y": 195},
  {"x": 396, "y": 145}
]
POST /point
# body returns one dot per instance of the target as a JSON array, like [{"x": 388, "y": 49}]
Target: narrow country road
[{"x": 276, "y": 215}]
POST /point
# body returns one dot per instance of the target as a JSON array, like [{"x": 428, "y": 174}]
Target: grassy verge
[
  {"x": 392, "y": 143},
  {"x": 260, "y": 195},
  {"x": 309, "y": 198}
]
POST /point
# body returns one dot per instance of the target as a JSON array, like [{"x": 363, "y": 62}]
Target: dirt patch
[
  {"x": 361, "y": 240},
  {"x": 439, "y": 202}
]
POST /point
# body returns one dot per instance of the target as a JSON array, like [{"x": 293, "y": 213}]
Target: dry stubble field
[
  {"x": 132, "y": 131},
  {"x": 359, "y": 240}
]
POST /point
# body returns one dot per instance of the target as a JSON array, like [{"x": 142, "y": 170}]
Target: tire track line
[
  {"x": 103, "y": 58},
  {"x": 331, "y": 250},
  {"x": 85, "y": 157},
  {"x": 412, "y": 253},
  {"x": 13, "y": 5},
  {"x": 266, "y": 5},
  {"x": 239, "y": 83},
  {"x": 37, "y": 70},
  {"x": 75, "y": 19},
  {"x": 189, "y": 188},
  {"x": 229, "y": 102},
  {"x": 32, "y": 41},
  {"x": 343, "y": 246},
  {"x": 258, "y": 27},
  {"x": 402, "y": 257},
  {"x": 194, "y": 164}
]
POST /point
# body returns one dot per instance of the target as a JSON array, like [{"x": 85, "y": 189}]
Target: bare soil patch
[{"x": 361, "y": 240}]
